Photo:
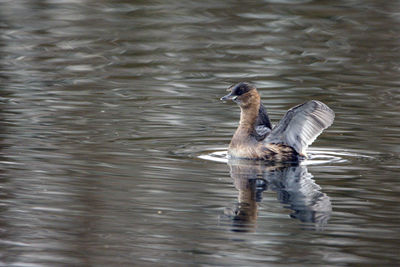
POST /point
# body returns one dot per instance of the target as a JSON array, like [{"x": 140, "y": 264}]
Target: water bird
[{"x": 256, "y": 138}]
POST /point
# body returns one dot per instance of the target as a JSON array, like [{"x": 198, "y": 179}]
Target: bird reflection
[{"x": 293, "y": 184}]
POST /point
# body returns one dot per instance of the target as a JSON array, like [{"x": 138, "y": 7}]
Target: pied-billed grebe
[{"x": 256, "y": 139}]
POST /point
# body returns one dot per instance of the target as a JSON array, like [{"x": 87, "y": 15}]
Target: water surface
[{"x": 112, "y": 135}]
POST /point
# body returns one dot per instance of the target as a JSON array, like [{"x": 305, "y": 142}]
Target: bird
[{"x": 256, "y": 138}]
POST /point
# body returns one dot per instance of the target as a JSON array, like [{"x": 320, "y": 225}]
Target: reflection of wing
[
  {"x": 295, "y": 186},
  {"x": 292, "y": 182},
  {"x": 301, "y": 125}
]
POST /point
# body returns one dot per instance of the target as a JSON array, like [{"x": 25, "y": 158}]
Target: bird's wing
[
  {"x": 301, "y": 125},
  {"x": 262, "y": 118},
  {"x": 262, "y": 131},
  {"x": 263, "y": 124}
]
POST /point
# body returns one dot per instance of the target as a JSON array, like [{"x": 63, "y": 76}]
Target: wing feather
[{"x": 301, "y": 125}]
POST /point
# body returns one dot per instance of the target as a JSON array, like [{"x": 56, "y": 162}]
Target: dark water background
[{"x": 110, "y": 113}]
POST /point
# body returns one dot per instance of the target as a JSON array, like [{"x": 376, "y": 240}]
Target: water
[{"x": 112, "y": 135}]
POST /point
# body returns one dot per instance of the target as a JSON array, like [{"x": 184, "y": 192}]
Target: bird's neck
[
  {"x": 245, "y": 135},
  {"x": 248, "y": 116}
]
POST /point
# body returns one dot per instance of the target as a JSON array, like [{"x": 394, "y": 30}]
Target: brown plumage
[{"x": 286, "y": 141}]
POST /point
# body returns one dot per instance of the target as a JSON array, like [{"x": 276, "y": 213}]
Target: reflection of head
[
  {"x": 244, "y": 214},
  {"x": 293, "y": 184}
]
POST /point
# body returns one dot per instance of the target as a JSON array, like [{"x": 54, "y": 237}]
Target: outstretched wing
[{"x": 301, "y": 125}]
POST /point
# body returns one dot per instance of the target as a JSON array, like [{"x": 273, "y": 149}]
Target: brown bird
[{"x": 288, "y": 140}]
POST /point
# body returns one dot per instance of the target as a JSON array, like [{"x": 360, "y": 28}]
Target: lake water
[{"x": 113, "y": 137}]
